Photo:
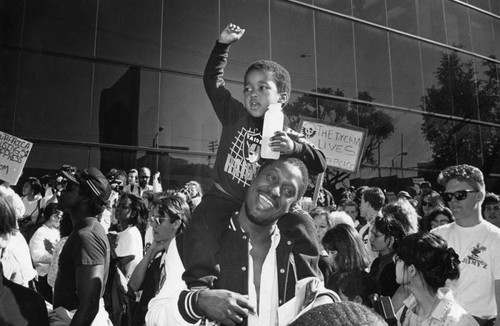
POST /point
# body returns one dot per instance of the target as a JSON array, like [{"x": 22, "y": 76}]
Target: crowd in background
[{"x": 362, "y": 238}]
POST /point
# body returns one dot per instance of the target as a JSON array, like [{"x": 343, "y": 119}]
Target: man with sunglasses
[{"x": 476, "y": 241}]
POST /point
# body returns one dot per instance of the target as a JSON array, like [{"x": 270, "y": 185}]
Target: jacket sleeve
[
  {"x": 226, "y": 107},
  {"x": 299, "y": 226},
  {"x": 313, "y": 158}
]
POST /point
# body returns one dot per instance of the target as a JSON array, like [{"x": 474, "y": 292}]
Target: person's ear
[
  {"x": 479, "y": 196},
  {"x": 412, "y": 271},
  {"x": 283, "y": 98},
  {"x": 176, "y": 224},
  {"x": 390, "y": 244}
]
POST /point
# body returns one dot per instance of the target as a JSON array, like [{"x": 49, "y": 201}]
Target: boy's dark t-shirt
[
  {"x": 86, "y": 245},
  {"x": 238, "y": 155}
]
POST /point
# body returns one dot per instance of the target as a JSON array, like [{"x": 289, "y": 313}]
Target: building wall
[{"x": 422, "y": 76}]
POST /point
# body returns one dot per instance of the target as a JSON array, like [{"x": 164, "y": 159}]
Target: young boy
[{"x": 238, "y": 159}]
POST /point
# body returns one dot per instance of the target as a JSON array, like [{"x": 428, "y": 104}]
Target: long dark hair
[
  {"x": 351, "y": 251},
  {"x": 430, "y": 254}
]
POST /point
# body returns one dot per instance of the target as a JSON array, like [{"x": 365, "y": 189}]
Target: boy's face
[{"x": 259, "y": 91}]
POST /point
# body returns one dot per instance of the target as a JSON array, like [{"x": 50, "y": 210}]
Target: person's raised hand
[
  {"x": 231, "y": 34},
  {"x": 223, "y": 306}
]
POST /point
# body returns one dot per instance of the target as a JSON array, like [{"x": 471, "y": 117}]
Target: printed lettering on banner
[{"x": 13, "y": 155}]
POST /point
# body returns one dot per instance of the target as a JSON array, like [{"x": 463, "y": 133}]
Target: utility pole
[{"x": 212, "y": 146}]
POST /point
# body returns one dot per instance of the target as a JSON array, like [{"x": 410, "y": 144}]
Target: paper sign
[
  {"x": 13, "y": 155},
  {"x": 342, "y": 145}
]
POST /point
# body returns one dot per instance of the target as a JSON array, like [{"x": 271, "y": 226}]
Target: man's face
[
  {"x": 259, "y": 91},
  {"x": 492, "y": 213},
  {"x": 467, "y": 207},
  {"x": 272, "y": 193},
  {"x": 144, "y": 177},
  {"x": 70, "y": 196}
]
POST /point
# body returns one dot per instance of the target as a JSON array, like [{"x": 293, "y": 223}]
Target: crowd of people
[{"x": 82, "y": 248}]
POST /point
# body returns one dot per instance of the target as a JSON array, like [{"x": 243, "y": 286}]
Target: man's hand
[
  {"x": 231, "y": 34},
  {"x": 282, "y": 143},
  {"x": 223, "y": 306}
]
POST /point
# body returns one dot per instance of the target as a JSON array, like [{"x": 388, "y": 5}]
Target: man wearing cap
[{"x": 84, "y": 260}]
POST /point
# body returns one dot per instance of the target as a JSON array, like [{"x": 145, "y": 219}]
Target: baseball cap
[{"x": 93, "y": 180}]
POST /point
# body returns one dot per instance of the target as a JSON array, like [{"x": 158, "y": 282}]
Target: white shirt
[
  {"x": 41, "y": 257},
  {"x": 129, "y": 242},
  {"x": 16, "y": 261},
  {"x": 478, "y": 248},
  {"x": 445, "y": 313},
  {"x": 269, "y": 294}
]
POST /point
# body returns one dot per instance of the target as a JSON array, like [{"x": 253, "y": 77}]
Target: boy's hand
[
  {"x": 282, "y": 143},
  {"x": 231, "y": 34}
]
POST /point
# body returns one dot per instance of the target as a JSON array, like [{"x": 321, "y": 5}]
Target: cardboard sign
[
  {"x": 13, "y": 155},
  {"x": 342, "y": 145}
]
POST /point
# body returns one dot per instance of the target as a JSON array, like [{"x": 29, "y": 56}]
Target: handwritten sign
[
  {"x": 342, "y": 145},
  {"x": 13, "y": 155}
]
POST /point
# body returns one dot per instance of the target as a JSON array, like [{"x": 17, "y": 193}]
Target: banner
[
  {"x": 342, "y": 145},
  {"x": 13, "y": 155}
]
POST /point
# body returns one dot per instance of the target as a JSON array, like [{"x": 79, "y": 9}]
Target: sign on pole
[
  {"x": 13, "y": 155},
  {"x": 342, "y": 145}
]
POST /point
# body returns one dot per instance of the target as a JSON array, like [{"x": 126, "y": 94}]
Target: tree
[
  {"x": 459, "y": 92},
  {"x": 379, "y": 124}
]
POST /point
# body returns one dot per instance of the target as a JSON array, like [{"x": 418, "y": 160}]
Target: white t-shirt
[
  {"x": 479, "y": 250},
  {"x": 129, "y": 242},
  {"x": 39, "y": 254}
]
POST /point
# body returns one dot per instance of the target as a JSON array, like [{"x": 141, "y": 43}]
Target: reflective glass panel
[
  {"x": 292, "y": 43},
  {"x": 372, "y": 11},
  {"x": 54, "y": 98},
  {"x": 457, "y": 25},
  {"x": 482, "y": 33},
  {"x": 431, "y": 20},
  {"x": 190, "y": 29},
  {"x": 61, "y": 26},
  {"x": 8, "y": 89},
  {"x": 129, "y": 31},
  {"x": 335, "y": 53},
  {"x": 11, "y": 18},
  {"x": 372, "y": 63},
  {"x": 402, "y": 15},
  {"x": 406, "y": 78}
]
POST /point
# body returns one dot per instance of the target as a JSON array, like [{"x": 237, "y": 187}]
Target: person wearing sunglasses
[
  {"x": 161, "y": 268},
  {"x": 475, "y": 240},
  {"x": 429, "y": 201}
]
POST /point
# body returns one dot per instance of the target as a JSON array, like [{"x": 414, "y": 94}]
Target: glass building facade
[{"x": 117, "y": 83}]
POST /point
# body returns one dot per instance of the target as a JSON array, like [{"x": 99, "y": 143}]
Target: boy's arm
[{"x": 226, "y": 107}]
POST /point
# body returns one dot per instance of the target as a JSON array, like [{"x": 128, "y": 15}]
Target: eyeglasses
[
  {"x": 426, "y": 203},
  {"x": 158, "y": 219},
  {"x": 459, "y": 195}
]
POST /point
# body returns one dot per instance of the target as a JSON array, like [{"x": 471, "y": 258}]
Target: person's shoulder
[{"x": 444, "y": 229}]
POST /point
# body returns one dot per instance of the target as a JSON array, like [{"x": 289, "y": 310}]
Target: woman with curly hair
[
  {"x": 423, "y": 264},
  {"x": 131, "y": 213}
]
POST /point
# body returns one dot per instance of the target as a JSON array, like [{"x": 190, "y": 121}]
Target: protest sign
[
  {"x": 342, "y": 145},
  {"x": 13, "y": 155}
]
